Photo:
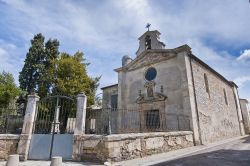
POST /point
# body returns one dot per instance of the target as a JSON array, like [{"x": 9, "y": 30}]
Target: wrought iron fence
[
  {"x": 55, "y": 114},
  {"x": 11, "y": 119},
  {"x": 113, "y": 121}
]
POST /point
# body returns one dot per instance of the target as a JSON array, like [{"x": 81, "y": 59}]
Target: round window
[{"x": 150, "y": 74}]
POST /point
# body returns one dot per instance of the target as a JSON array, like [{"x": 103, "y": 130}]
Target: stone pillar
[
  {"x": 80, "y": 114},
  {"x": 246, "y": 114},
  {"x": 239, "y": 112},
  {"x": 79, "y": 125},
  {"x": 25, "y": 137}
]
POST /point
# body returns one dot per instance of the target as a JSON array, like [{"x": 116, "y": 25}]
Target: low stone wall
[
  {"x": 8, "y": 145},
  {"x": 118, "y": 147}
]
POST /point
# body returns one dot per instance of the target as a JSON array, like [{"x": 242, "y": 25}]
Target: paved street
[{"x": 235, "y": 153}]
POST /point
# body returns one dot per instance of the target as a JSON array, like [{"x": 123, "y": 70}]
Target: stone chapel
[{"x": 176, "y": 81}]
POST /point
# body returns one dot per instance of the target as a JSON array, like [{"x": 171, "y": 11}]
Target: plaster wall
[
  {"x": 171, "y": 77},
  {"x": 217, "y": 119},
  {"x": 171, "y": 81},
  {"x": 107, "y": 93}
]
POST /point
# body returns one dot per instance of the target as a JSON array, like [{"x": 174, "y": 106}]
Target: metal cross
[{"x": 148, "y": 25}]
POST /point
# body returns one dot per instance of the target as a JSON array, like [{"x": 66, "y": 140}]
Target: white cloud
[
  {"x": 241, "y": 81},
  {"x": 10, "y": 59},
  {"x": 245, "y": 55},
  {"x": 106, "y": 31}
]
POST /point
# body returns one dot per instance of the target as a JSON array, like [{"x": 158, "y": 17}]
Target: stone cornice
[{"x": 165, "y": 55}]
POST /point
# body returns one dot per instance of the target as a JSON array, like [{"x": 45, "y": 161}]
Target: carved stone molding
[
  {"x": 150, "y": 58},
  {"x": 156, "y": 97}
]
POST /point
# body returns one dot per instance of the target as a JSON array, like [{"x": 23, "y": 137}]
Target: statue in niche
[
  {"x": 150, "y": 91},
  {"x": 148, "y": 42}
]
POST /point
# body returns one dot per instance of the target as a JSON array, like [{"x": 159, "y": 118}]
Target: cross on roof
[{"x": 148, "y": 25}]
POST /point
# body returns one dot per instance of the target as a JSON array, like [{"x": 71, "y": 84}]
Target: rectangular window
[
  {"x": 206, "y": 83},
  {"x": 225, "y": 96},
  {"x": 152, "y": 118}
]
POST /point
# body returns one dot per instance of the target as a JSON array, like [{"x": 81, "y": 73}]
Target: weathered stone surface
[
  {"x": 80, "y": 114},
  {"x": 218, "y": 117},
  {"x": 8, "y": 145},
  {"x": 119, "y": 147},
  {"x": 154, "y": 143}
]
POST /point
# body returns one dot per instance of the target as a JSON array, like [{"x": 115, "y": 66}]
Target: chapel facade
[{"x": 175, "y": 81}]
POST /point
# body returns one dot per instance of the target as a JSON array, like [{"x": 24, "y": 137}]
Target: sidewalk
[{"x": 47, "y": 163}]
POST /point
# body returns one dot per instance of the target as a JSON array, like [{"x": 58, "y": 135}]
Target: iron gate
[{"x": 53, "y": 128}]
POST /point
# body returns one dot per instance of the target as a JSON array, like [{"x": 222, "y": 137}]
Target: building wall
[
  {"x": 107, "y": 93},
  {"x": 171, "y": 77},
  {"x": 217, "y": 120},
  {"x": 245, "y": 114}
]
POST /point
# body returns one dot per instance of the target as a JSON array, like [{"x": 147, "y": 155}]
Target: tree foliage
[
  {"x": 46, "y": 71},
  {"x": 8, "y": 89},
  {"x": 33, "y": 77},
  {"x": 70, "y": 76}
]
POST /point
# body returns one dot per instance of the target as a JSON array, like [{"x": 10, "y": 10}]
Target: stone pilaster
[
  {"x": 237, "y": 100},
  {"x": 24, "y": 143}
]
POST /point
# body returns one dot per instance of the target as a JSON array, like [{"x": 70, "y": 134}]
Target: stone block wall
[
  {"x": 120, "y": 147},
  {"x": 8, "y": 145},
  {"x": 217, "y": 118}
]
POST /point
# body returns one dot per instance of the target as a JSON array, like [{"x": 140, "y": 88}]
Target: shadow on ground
[{"x": 222, "y": 157}]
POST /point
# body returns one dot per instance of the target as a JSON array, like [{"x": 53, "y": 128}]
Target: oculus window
[{"x": 150, "y": 74}]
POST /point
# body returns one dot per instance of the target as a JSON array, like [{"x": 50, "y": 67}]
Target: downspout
[{"x": 196, "y": 105}]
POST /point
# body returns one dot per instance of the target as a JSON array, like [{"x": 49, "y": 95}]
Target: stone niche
[{"x": 118, "y": 147}]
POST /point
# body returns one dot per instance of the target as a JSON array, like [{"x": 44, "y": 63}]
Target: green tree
[
  {"x": 33, "y": 65},
  {"x": 51, "y": 53},
  {"x": 33, "y": 77},
  {"x": 8, "y": 89},
  {"x": 70, "y": 76}
]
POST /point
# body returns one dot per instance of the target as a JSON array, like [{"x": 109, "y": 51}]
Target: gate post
[
  {"x": 79, "y": 125},
  {"x": 25, "y": 137},
  {"x": 80, "y": 114}
]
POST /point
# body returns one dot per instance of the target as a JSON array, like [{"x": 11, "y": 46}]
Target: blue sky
[{"x": 217, "y": 31}]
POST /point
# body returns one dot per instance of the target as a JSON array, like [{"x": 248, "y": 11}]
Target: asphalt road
[{"x": 235, "y": 153}]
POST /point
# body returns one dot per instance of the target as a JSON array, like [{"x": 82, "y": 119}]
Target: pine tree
[
  {"x": 33, "y": 65},
  {"x": 51, "y": 53},
  {"x": 34, "y": 77}
]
